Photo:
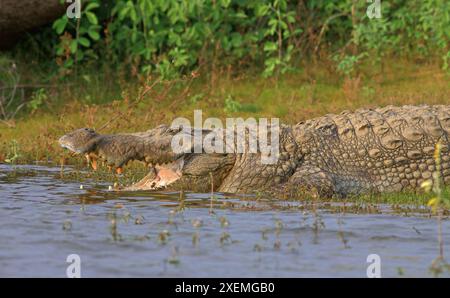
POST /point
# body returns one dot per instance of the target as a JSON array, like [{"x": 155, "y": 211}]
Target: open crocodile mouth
[{"x": 160, "y": 176}]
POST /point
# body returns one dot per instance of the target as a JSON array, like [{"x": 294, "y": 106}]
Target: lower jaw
[
  {"x": 196, "y": 185},
  {"x": 151, "y": 182}
]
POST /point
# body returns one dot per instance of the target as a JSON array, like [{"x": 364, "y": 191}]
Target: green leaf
[
  {"x": 262, "y": 10},
  {"x": 225, "y": 3},
  {"x": 240, "y": 15},
  {"x": 68, "y": 63},
  {"x": 73, "y": 46},
  {"x": 80, "y": 55},
  {"x": 236, "y": 40},
  {"x": 273, "y": 22},
  {"x": 59, "y": 50},
  {"x": 91, "y": 6},
  {"x": 123, "y": 12},
  {"x": 87, "y": 78},
  {"x": 270, "y": 46},
  {"x": 84, "y": 42},
  {"x": 290, "y": 19},
  {"x": 92, "y": 18},
  {"x": 132, "y": 11},
  {"x": 133, "y": 15},
  {"x": 60, "y": 24},
  {"x": 93, "y": 34}
]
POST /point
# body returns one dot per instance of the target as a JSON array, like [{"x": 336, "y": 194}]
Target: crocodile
[{"x": 370, "y": 150}]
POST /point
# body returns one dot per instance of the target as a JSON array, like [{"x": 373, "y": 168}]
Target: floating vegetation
[
  {"x": 139, "y": 220},
  {"x": 197, "y": 222},
  {"x": 174, "y": 259},
  {"x": 318, "y": 224},
  {"x": 225, "y": 238},
  {"x": 170, "y": 220},
  {"x": 293, "y": 246},
  {"x": 224, "y": 223},
  {"x": 257, "y": 247},
  {"x": 341, "y": 234},
  {"x": 67, "y": 225},
  {"x": 163, "y": 237},
  {"x": 277, "y": 244},
  {"x": 113, "y": 227},
  {"x": 264, "y": 234},
  {"x": 211, "y": 210},
  {"x": 181, "y": 199},
  {"x": 141, "y": 238},
  {"x": 195, "y": 238},
  {"x": 439, "y": 266}
]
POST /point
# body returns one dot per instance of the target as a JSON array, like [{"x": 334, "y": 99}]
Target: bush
[{"x": 174, "y": 37}]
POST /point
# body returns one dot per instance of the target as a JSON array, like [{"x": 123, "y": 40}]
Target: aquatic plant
[
  {"x": 341, "y": 234},
  {"x": 211, "y": 210},
  {"x": 225, "y": 238},
  {"x": 174, "y": 259},
  {"x": 195, "y": 238},
  {"x": 438, "y": 203},
  {"x": 113, "y": 227},
  {"x": 163, "y": 237},
  {"x": 13, "y": 153}
]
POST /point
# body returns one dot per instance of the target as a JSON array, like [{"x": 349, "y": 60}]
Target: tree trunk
[{"x": 19, "y": 16}]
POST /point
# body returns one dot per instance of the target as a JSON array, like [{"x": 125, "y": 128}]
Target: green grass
[{"x": 94, "y": 98}]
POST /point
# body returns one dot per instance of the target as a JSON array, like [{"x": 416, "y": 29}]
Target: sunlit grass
[{"x": 292, "y": 98}]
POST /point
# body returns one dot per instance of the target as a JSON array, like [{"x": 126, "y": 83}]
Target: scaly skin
[{"x": 370, "y": 150}]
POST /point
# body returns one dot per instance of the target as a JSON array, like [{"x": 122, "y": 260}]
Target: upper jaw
[
  {"x": 68, "y": 147},
  {"x": 65, "y": 145}
]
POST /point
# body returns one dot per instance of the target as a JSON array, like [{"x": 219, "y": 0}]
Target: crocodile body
[{"x": 386, "y": 149}]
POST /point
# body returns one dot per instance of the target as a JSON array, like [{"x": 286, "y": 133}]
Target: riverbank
[{"x": 136, "y": 106}]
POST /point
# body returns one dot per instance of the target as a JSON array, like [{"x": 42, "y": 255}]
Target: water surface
[{"x": 45, "y": 217}]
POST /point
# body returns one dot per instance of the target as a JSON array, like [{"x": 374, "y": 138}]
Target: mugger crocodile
[{"x": 386, "y": 149}]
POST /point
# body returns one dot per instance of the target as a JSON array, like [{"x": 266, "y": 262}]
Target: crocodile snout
[
  {"x": 63, "y": 142},
  {"x": 78, "y": 140}
]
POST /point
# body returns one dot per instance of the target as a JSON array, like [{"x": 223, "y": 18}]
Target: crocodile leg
[{"x": 312, "y": 181}]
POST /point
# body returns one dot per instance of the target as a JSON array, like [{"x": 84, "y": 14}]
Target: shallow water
[{"x": 44, "y": 218}]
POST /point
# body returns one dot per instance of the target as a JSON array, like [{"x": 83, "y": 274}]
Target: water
[{"x": 44, "y": 219}]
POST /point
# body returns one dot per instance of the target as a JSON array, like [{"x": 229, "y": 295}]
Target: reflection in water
[{"x": 45, "y": 218}]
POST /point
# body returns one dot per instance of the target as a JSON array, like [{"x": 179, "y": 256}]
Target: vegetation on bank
[
  {"x": 115, "y": 46},
  {"x": 173, "y": 37},
  {"x": 119, "y": 104}
]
